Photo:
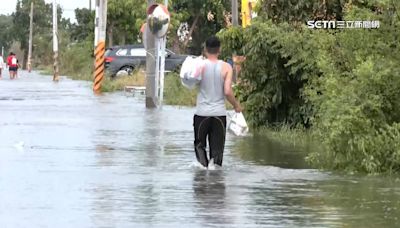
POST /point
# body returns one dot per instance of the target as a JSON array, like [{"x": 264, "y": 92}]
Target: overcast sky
[{"x": 68, "y": 6}]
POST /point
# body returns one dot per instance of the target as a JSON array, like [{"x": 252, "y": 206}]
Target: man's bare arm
[{"x": 228, "y": 88}]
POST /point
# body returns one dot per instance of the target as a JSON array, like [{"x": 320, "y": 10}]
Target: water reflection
[
  {"x": 210, "y": 197},
  {"x": 364, "y": 201},
  {"x": 263, "y": 151}
]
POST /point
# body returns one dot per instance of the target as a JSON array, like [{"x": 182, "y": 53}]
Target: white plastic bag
[
  {"x": 14, "y": 60},
  {"x": 191, "y": 71},
  {"x": 238, "y": 125}
]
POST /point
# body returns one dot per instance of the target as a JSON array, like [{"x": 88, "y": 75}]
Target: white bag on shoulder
[
  {"x": 191, "y": 71},
  {"x": 238, "y": 125}
]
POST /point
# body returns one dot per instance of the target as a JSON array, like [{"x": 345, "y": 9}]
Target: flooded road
[{"x": 72, "y": 159}]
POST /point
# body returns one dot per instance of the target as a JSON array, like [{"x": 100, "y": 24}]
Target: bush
[
  {"x": 274, "y": 73},
  {"x": 343, "y": 84},
  {"x": 176, "y": 94},
  {"x": 76, "y": 60},
  {"x": 354, "y": 115},
  {"x": 136, "y": 79},
  {"x": 357, "y": 99},
  {"x": 233, "y": 41}
]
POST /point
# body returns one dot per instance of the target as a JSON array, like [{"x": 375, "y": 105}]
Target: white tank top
[{"x": 211, "y": 96}]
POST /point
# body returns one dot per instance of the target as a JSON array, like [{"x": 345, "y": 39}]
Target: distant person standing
[
  {"x": 12, "y": 63},
  {"x": 18, "y": 66},
  {"x": 1, "y": 65},
  {"x": 210, "y": 117}
]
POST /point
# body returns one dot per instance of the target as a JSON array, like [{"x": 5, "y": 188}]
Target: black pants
[{"x": 212, "y": 128}]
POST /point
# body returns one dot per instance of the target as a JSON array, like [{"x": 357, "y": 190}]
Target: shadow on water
[{"x": 264, "y": 151}]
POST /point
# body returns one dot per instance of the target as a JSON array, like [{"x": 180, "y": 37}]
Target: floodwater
[{"x": 72, "y": 159}]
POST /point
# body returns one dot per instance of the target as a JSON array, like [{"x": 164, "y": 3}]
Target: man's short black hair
[{"x": 212, "y": 45}]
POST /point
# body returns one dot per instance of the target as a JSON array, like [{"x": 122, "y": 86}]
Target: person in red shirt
[{"x": 12, "y": 63}]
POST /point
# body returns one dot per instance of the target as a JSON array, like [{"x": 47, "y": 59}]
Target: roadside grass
[
  {"x": 138, "y": 78},
  {"x": 296, "y": 137},
  {"x": 176, "y": 94},
  {"x": 45, "y": 70}
]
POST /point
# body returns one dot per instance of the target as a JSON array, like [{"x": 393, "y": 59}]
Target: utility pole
[
  {"x": 151, "y": 91},
  {"x": 235, "y": 12},
  {"x": 162, "y": 45},
  {"x": 100, "y": 43},
  {"x": 90, "y": 5},
  {"x": 96, "y": 22},
  {"x": 30, "y": 39},
  {"x": 55, "y": 41}
]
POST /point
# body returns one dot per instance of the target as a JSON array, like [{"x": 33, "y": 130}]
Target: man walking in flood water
[
  {"x": 12, "y": 63},
  {"x": 210, "y": 117}
]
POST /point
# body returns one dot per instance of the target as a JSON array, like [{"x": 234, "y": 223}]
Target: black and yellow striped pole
[
  {"x": 100, "y": 44},
  {"x": 99, "y": 66}
]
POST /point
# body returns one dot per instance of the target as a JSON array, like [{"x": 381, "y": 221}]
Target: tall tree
[
  {"x": 5, "y": 31},
  {"x": 83, "y": 28},
  {"x": 124, "y": 19},
  {"x": 42, "y": 24},
  {"x": 205, "y": 18},
  {"x": 301, "y": 11}
]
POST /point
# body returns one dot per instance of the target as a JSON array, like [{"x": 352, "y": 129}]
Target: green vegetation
[
  {"x": 42, "y": 27},
  {"x": 125, "y": 18},
  {"x": 203, "y": 17},
  {"x": 76, "y": 61},
  {"x": 176, "y": 94},
  {"x": 341, "y": 85},
  {"x": 269, "y": 87},
  {"x": 5, "y": 31},
  {"x": 233, "y": 41},
  {"x": 136, "y": 79},
  {"x": 300, "y": 138}
]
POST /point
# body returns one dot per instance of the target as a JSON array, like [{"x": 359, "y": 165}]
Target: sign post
[{"x": 157, "y": 21}]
